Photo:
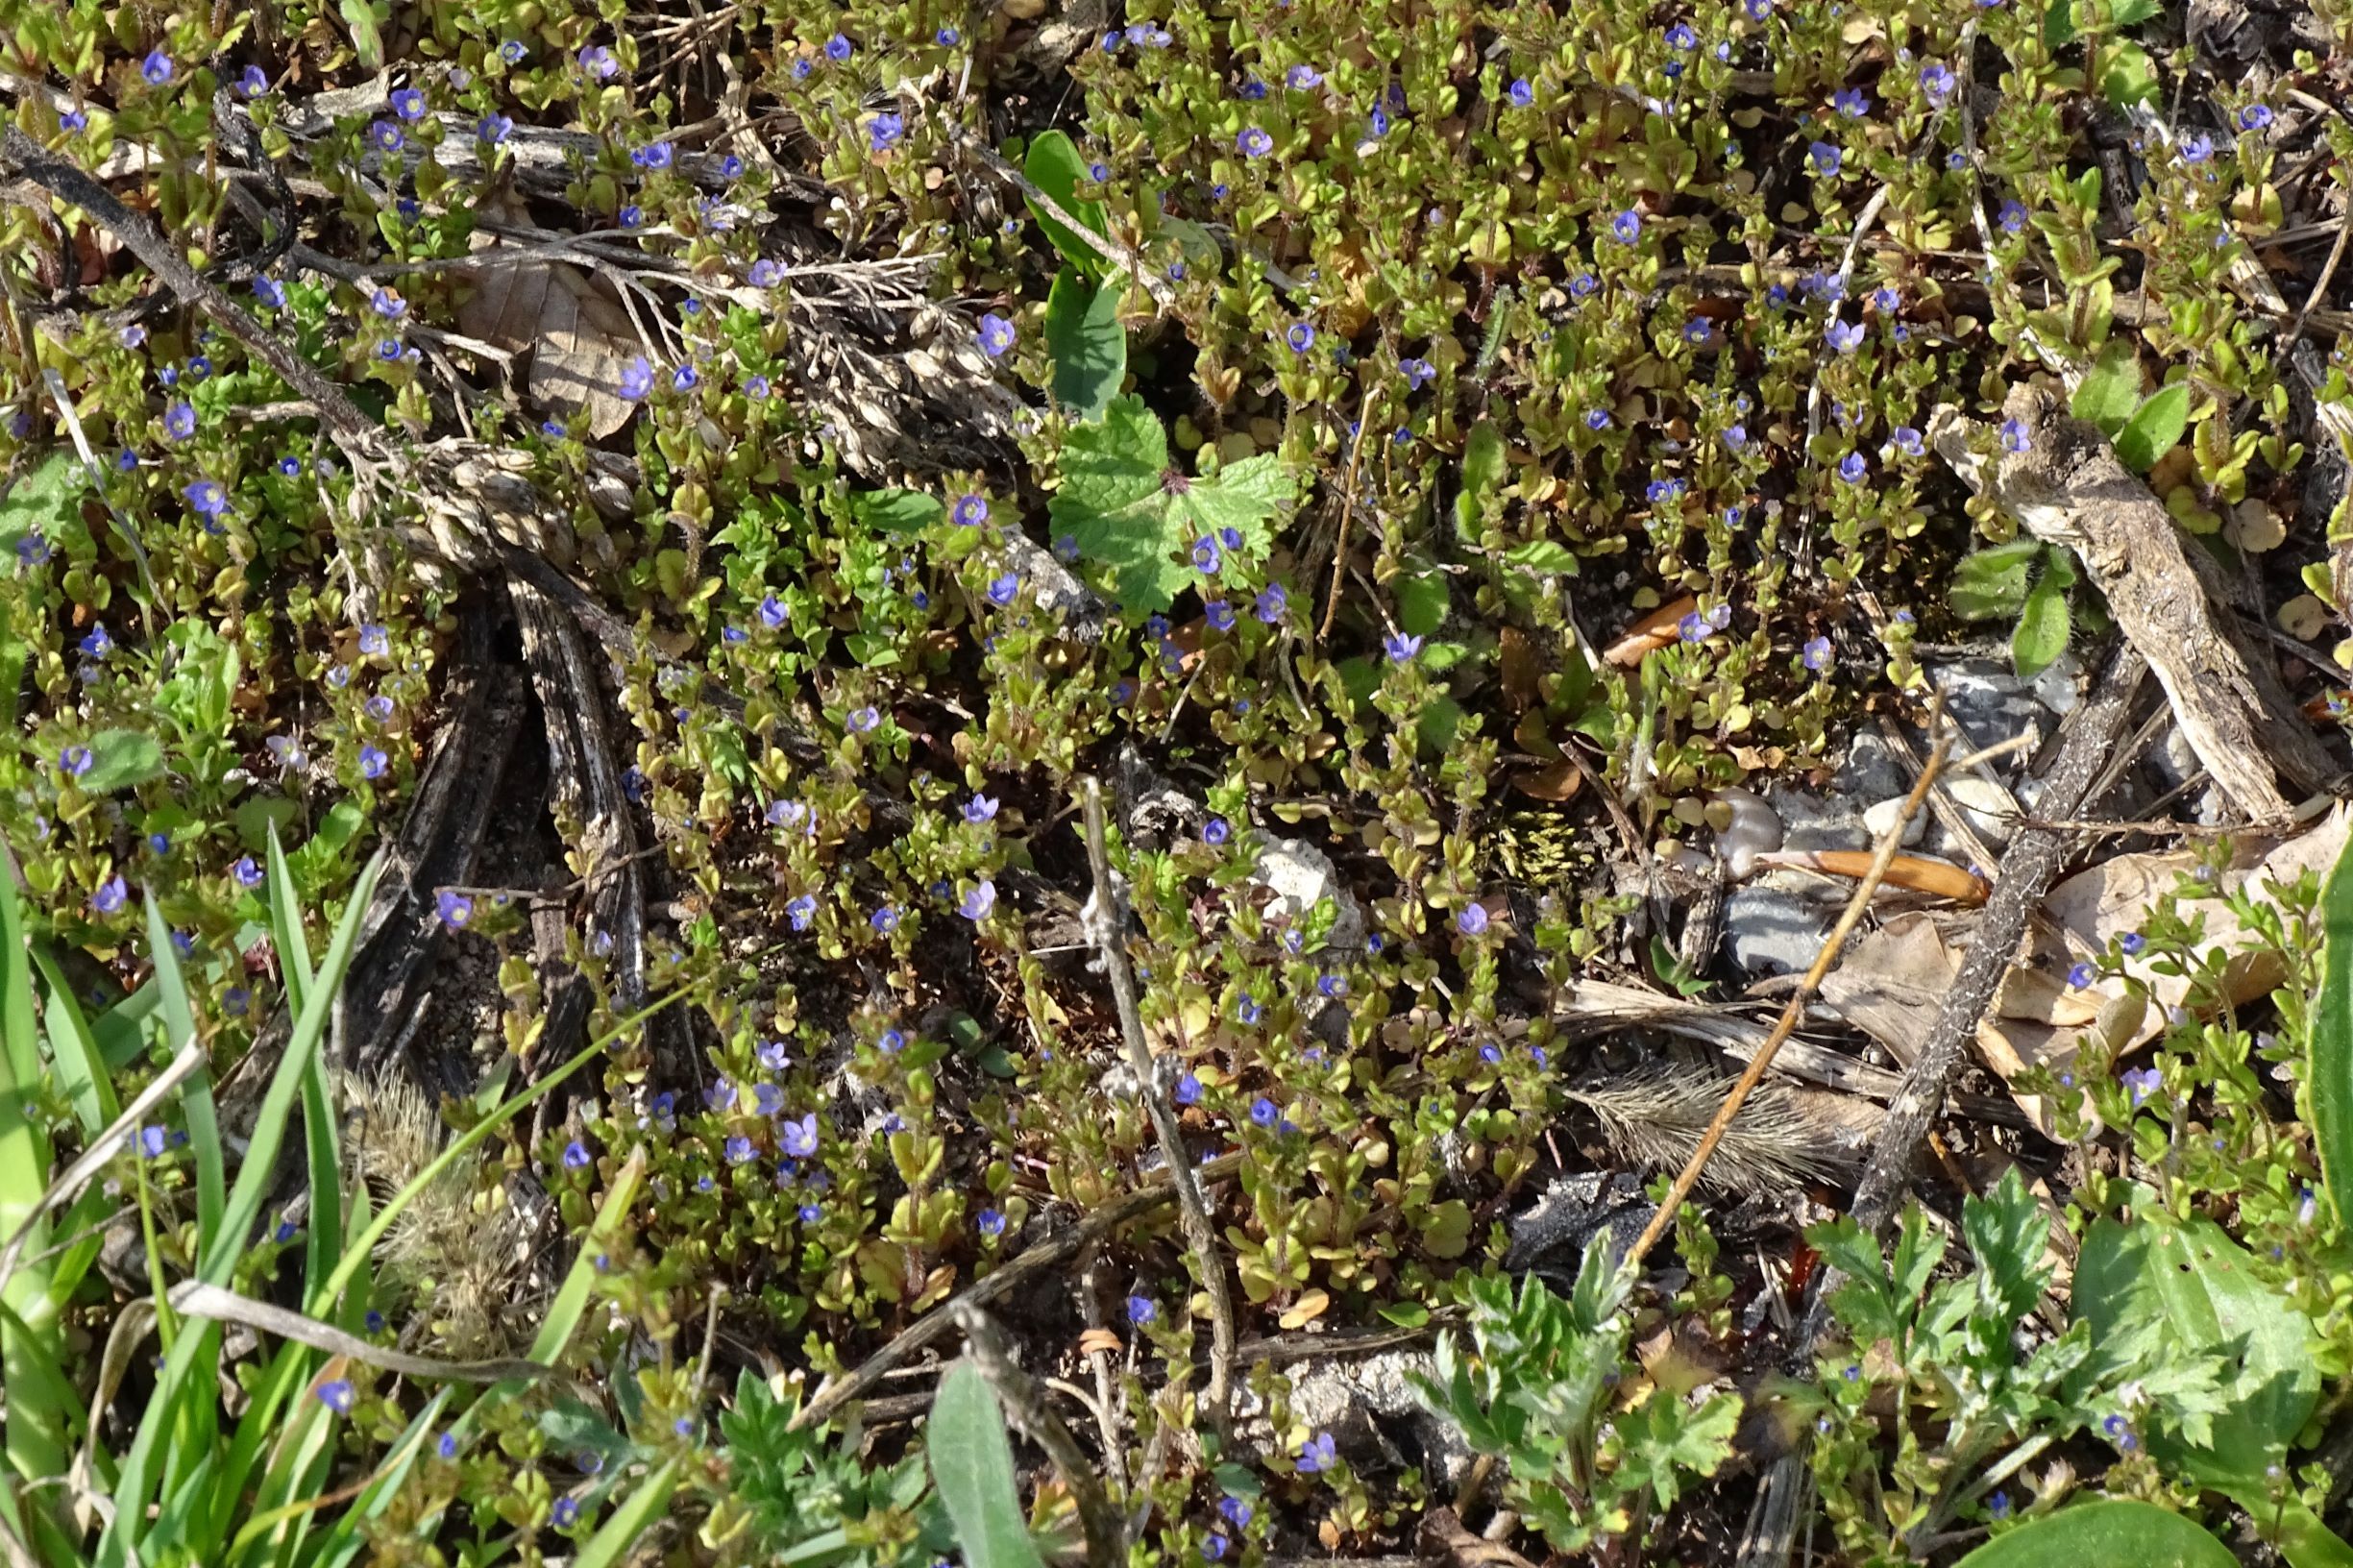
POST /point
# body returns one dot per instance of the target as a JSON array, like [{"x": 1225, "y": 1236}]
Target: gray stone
[
  {"x": 1778, "y": 923},
  {"x": 1302, "y": 877},
  {"x": 1369, "y": 1406}
]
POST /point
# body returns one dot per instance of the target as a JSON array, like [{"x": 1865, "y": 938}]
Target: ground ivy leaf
[{"x": 1131, "y": 514}]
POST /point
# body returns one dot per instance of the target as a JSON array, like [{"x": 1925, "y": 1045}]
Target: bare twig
[
  {"x": 1018, "y": 1392},
  {"x": 1016, "y": 1271},
  {"x": 193, "y": 1298},
  {"x": 1106, "y": 1383},
  {"x": 1793, "y": 1009},
  {"x": 1109, "y": 934}
]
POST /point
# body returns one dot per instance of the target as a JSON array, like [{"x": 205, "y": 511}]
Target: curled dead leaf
[
  {"x": 1306, "y": 1309},
  {"x": 1919, "y": 872},
  {"x": 1099, "y": 1341},
  {"x": 1554, "y": 781},
  {"x": 1654, "y": 630}
]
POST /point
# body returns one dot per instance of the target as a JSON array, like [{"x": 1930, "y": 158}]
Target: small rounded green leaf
[{"x": 2042, "y": 627}]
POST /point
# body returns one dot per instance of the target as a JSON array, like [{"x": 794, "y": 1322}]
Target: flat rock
[{"x": 1302, "y": 877}]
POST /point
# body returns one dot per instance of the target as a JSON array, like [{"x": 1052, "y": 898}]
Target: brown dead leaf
[
  {"x": 1554, "y": 781},
  {"x": 1919, "y": 872},
  {"x": 574, "y": 326},
  {"x": 1654, "y": 630},
  {"x": 1517, "y": 656},
  {"x": 1096, "y": 1340}
]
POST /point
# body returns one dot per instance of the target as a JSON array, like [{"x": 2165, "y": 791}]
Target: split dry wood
[{"x": 2068, "y": 489}]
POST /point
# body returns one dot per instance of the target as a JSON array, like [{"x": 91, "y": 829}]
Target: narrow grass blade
[
  {"x": 74, "y": 1053},
  {"x": 2332, "y": 1041},
  {"x": 36, "y": 1442},
  {"x": 195, "y": 1100},
  {"x": 620, "y": 1531},
  {"x": 572, "y": 1301}
]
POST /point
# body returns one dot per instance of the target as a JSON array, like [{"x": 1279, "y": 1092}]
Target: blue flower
[
  {"x": 799, "y": 1137},
  {"x": 1303, "y": 78},
  {"x": 1823, "y": 157},
  {"x": 991, "y": 1224},
  {"x": 1264, "y": 1112},
  {"x": 2142, "y": 1085},
  {"x": 1597, "y": 419},
  {"x": 386, "y": 136},
  {"x": 979, "y": 902},
  {"x": 1472, "y": 920},
  {"x": 566, "y": 1513},
  {"x": 1253, "y": 142},
  {"x": 247, "y": 872},
  {"x": 2080, "y": 975},
  {"x": 1523, "y": 93},
  {"x": 1627, "y": 226},
  {"x": 1681, "y": 37},
  {"x": 597, "y": 61},
  {"x": 1853, "y": 103},
  {"x": 637, "y": 380},
  {"x": 1318, "y": 1456},
  {"x": 336, "y": 1394},
  {"x": 493, "y": 129},
  {"x": 1301, "y": 336},
  {"x": 1817, "y": 653},
  {"x": 1218, "y": 614},
  {"x": 839, "y": 48},
  {"x": 1378, "y": 122},
  {"x": 1936, "y": 80},
  {"x": 1661, "y": 491},
  {"x": 1906, "y": 440},
  {"x": 1418, "y": 373},
  {"x": 1272, "y": 602},
  {"x": 630, "y": 216},
  {"x": 996, "y": 335},
  {"x": 1852, "y": 468},
  {"x": 2013, "y": 216},
  {"x": 575, "y": 1156},
  {"x": 372, "y": 762},
  {"x": 180, "y": 421},
  {"x": 755, "y": 388},
  {"x": 96, "y": 643},
  {"x": 2013, "y": 436},
  {"x": 1401, "y": 646},
  {"x": 1002, "y": 589},
  {"x": 1188, "y": 1091},
  {"x": 408, "y": 104},
  {"x": 270, "y": 292},
  {"x": 1332, "y": 985},
  {"x": 208, "y": 498},
  {"x": 947, "y": 38},
  {"x": 884, "y": 920},
  {"x": 883, "y": 131},
  {"x": 1215, "y": 831},
  {"x": 73, "y": 120},
  {"x": 1215, "y": 1548},
  {"x": 1205, "y": 557},
  {"x": 2255, "y": 117},
  {"x": 865, "y": 718},
  {"x": 513, "y": 51},
  {"x": 455, "y": 908},
  {"x": 157, "y": 68},
  {"x": 800, "y": 912},
  {"x": 2132, "y": 941},
  {"x": 972, "y": 511},
  {"x": 1844, "y": 336}
]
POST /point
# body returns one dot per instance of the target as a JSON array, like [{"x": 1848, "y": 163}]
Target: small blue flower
[
  {"x": 1472, "y": 920},
  {"x": 1844, "y": 336},
  {"x": 2080, "y": 975},
  {"x": 1400, "y": 646},
  {"x": 1936, "y": 80},
  {"x": 493, "y": 129},
  {"x": 884, "y": 920},
  {"x": 1188, "y": 1091},
  {"x": 1218, "y": 614},
  {"x": 407, "y": 103},
  {"x": 1523, "y": 93},
  {"x": 1907, "y": 440},
  {"x": 154, "y": 1139},
  {"x": 1301, "y": 336},
  {"x": 73, "y": 120},
  {"x": 372, "y": 762},
  {"x": 1272, "y": 602},
  {"x": 1264, "y": 1112},
  {"x": 96, "y": 643},
  {"x": 1302, "y": 78},
  {"x": 1248, "y": 1011},
  {"x": 157, "y": 68},
  {"x": 1253, "y": 142},
  {"x": 247, "y": 871},
  {"x": 1851, "y": 103},
  {"x": 2013, "y": 436},
  {"x": 2132, "y": 941},
  {"x": 1998, "y": 1505},
  {"x": 337, "y": 1395},
  {"x": 2196, "y": 147},
  {"x": 883, "y": 131},
  {"x": 2013, "y": 216},
  {"x": 1332, "y": 985},
  {"x": 1002, "y": 589},
  {"x": 1627, "y": 226},
  {"x": 513, "y": 51},
  {"x": 1823, "y": 157},
  {"x": 1681, "y": 37},
  {"x": 1318, "y": 1456},
  {"x": 991, "y": 1224},
  {"x": 597, "y": 61},
  {"x": 947, "y": 38},
  {"x": 972, "y": 511},
  {"x": 996, "y": 335},
  {"x": 386, "y": 137},
  {"x": 2142, "y": 1085},
  {"x": 979, "y": 902},
  {"x": 1852, "y": 468},
  {"x": 2255, "y": 117},
  {"x": 1215, "y": 831},
  {"x": 1205, "y": 554},
  {"x": 1418, "y": 373},
  {"x": 865, "y": 720},
  {"x": 800, "y": 912},
  {"x": 637, "y": 380},
  {"x": 566, "y": 1513},
  {"x": 1598, "y": 419},
  {"x": 1817, "y": 653},
  {"x": 838, "y": 48},
  {"x": 455, "y": 909},
  {"x": 1141, "y": 1310},
  {"x": 630, "y": 216}
]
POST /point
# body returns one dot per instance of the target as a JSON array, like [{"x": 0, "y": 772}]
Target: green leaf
[
  {"x": 1054, "y": 166},
  {"x": 2111, "y": 390},
  {"x": 2331, "y": 1067},
  {"x": 1546, "y": 557},
  {"x": 1130, "y": 513},
  {"x": 1991, "y": 584},
  {"x": 2130, "y": 76},
  {"x": 1668, "y": 1440},
  {"x": 2043, "y": 627},
  {"x": 2059, "y": 21},
  {"x": 972, "y": 1463},
  {"x": 1482, "y": 469},
  {"x": 2194, "y": 1291},
  {"x": 2154, "y": 426},
  {"x": 1421, "y": 602},
  {"x": 44, "y": 501},
  {"x": 1089, "y": 344},
  {"x": 2109, "y": 1532},
  {"x": 367, "y": 43},
  {"x": 2007, "y": 1233},
  {"x": 1406, "y": 1315},
  {"x": 121, "y": 758},
  {"x": 613, "y": 1539},
  {"x": 895, "y": 511}
]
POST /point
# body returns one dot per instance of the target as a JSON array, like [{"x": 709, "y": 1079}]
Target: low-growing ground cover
[{"x": 1082, "y": 717}]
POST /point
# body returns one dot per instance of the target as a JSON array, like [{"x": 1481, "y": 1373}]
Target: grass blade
[
  {"x": 37, "y": 1444},
  {"x": 572, "y": 1301},
  {"x": 196, "y": 1099},
  {"x": 2332, "y": 1041},
  {"x": 620, "y": 1531},
  {"x": 74, "y": 1053}
]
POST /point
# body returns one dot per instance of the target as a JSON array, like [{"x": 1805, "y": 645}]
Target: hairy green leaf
[
  {"x": 2331, "y": 1069},
  {"x": 895, "y": 511},
  {"x": 972, "y": 1463},
  {"x": 2111, "y": 390},
  {"x": 1089, "y": 344},
  {"x": 2154, "y": 426},
  {"x": 2115, "y": 1530},
  {"x": 2042, "y": 627},
  {"x": 1991, "y": 584},
  {"x": 1055, "y": 167},
  {"x": 120, "y": 759},
  {"x": 1133, "y": 514}
]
